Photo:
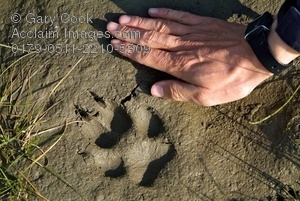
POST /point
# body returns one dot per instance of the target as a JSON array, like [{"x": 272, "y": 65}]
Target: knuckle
[
  {"x": 125, "y": 29},
  {"x": 168, "y": 13},
  {"x": 169, "y": 42},
  {"x": 138, "y": 21},
  {"x": 183, "y": 16},
  {"x": 175, "y": 93},
  {"x": 178, "y": 41},
  {"x": 163, "y": 26},
  {"x": 148, "y": 36}
]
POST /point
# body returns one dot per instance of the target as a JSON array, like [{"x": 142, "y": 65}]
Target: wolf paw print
[{"x": 121, "y": 143}]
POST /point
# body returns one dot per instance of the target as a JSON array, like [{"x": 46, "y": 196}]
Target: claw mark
[
  {"x": 98, "y": 99},
  {"x": 132, "y": 94}
]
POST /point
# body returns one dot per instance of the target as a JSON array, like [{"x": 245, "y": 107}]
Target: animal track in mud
[{"x": 130, "y": 144}]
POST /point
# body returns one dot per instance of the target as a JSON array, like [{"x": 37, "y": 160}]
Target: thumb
[{"x": 176, "y": 90}]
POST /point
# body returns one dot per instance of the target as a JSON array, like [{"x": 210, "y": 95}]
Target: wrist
[{"x": 282, "y": 52}]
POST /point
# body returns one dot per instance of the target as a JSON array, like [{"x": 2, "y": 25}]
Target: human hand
[{"x": 213, "y": 61}]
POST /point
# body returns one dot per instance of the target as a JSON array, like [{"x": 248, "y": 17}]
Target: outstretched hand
[{"x": 211, "y": 58}]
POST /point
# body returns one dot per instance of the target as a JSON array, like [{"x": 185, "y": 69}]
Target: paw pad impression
[{"x": 130, "y": 144}]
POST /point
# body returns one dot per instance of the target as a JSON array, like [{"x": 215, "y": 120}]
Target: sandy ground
[{"x": 131, "y": 146}]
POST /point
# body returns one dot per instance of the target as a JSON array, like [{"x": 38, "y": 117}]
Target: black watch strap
[
  {"x": 259, "y": 43},
  {"x": 257, "y": 36}
]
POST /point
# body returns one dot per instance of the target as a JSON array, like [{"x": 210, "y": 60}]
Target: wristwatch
[{"x": 257, "y": 36}]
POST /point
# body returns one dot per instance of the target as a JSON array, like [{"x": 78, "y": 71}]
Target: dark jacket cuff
[{"x": 288, "y": 27}]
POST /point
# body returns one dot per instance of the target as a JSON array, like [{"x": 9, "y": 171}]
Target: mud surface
[{"x": 131, "y": 146}]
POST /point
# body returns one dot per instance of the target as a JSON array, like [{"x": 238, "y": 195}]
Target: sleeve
[{"x": 288, "y": 27}]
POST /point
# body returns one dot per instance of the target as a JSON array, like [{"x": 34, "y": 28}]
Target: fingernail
[
  {"x": 157, "y": 90},
  {"x": 112, "y": 26},
  {"x": 115, "y": 42},
  {"x": 153, "y": 10},
  {"x": 124, "y": 19}
]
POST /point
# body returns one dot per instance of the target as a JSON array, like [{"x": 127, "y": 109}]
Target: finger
[
  {"x": 170, "y": 62},
  {"x": 180, "y": 91},
  {"x": 176, "y": 16},
  {"x": 138, "y": 36},
  {"x": 159, "y": 25}
]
